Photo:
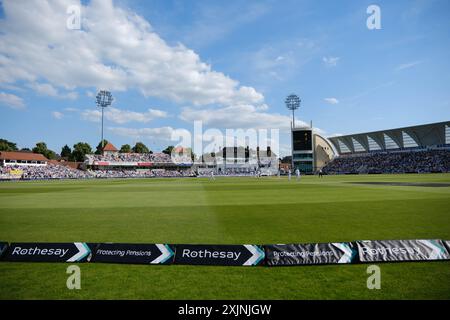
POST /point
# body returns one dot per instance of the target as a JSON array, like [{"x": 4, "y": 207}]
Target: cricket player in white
[
  {"x": 212, "y": 175},
  {"x": 289, "y": 174},
  {"x": 298, "y": 174}
]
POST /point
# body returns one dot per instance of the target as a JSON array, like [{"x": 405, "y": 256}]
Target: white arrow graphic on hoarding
[
  {"x": 83, "y": 251},
  {"x": 348, "y": 252},
  {"x": 257, "y": 255},
  {"x": 166, "y": 253},
  {"x": 437, "y": 253}
]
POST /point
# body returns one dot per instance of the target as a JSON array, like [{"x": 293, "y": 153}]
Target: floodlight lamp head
[
  {"x": 292, "y": 102},
  {"x": 104, "y": 99}
]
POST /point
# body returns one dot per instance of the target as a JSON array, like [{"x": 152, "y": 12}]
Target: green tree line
[{"x": 78, "y": 150}]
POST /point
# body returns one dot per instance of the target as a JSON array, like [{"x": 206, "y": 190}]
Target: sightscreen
[{"x": 302, "y": 140}]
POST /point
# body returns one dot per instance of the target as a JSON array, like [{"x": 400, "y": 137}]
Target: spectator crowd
[
  {"x": 227, "y": 172},
  {"x": 158, "y": 157},
  {"x": 381, "y": 162},
  {"x": 156, "y": 173},
  {"x": 51, "y": 171},
  {"x": 385, "y": 162}
]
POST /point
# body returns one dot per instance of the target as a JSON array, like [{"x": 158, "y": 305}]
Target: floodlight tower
[
  {"x": 293, "y": 103},
  {"x": 103, "y": 99}
]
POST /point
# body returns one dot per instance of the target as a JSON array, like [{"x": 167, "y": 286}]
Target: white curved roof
[{"x": 426, "y": 135}]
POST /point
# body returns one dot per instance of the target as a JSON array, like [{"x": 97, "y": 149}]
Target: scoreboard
[
  {"x": 302, "y": 150},
  {"x": 302, "y": 140}
]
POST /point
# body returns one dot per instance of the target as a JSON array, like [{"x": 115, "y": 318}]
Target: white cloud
[
  {"x": 262, "y": 107},
  {"x": 57, "y": 115},
  {"x": 407, "y": 65},
  {"x": 330, "y": 61},
  {"x": 71, "y": 109},
  {"x": 116, "y": 49},
  {"x": 238, "y": 116},
  {"x": 10, "y": 87},
  {"x": 285, "y": 150},
  {"x": 320, "y": 131},
  {"x": 70, "y": 95},
  {"x": 44, "y": 89},
  {"x": 11, "y": 101},
  {"x": 331, "y": 100},
  {"x": 162, "y": 133},
  {"x": 123, "y": 116},
  {"x": 47, "y": 89},
  {"x": 210, "y": 140}
]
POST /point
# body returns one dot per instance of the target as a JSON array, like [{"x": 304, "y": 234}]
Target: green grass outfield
[{"x": 225, "y": 211}]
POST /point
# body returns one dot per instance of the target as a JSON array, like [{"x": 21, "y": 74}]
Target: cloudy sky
[{"x": 229, "y": 64}]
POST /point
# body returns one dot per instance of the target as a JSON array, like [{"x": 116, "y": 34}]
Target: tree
[
  {"x": 139, "y": 147},
  {"x": 41, "y": 147},
  {"x": 66, "y": 152},
  {"x": 6, "y": 145},
  {"x": 79, "y": 151},
  {"x": 168, "y": 150},
  {"x": 51, "y": 154},
  {"x": 126, "y": 148},
  {"x": 99, "y": 146}
]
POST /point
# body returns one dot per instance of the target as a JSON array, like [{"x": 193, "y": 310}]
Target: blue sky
[{"x": 230, "y": 64}]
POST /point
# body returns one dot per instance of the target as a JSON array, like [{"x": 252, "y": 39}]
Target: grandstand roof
[
  {"x": 426, "y": 135},
  {"x": 109, "y": 147},
  {"x": 24, "y": 156}
]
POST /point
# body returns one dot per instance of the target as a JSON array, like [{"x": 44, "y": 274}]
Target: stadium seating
[
  {"x": 391, "y": 162},
  {"x": 134, "y": 157},
  {"x": 51, "y": 171}
]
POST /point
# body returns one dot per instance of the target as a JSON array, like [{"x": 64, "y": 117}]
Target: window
[
  {"x": 373, "y": 145},
  {"x": 389, "y": 142},
  {"x": 343, "y": 147},
  {"x": 303, "y": 156},
  {"x": 447, "y": 134},
  {"x": 408, "y": 142},
  {"x": 304, "y": 166},
  {"x": 357, "y": 146}
]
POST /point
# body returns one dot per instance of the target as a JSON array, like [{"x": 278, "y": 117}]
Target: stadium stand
[
  {"x": 18, "y": 158},
  {"x": 391, "y": 162},
  {"x": 110, "y": 164},
  {"x": 94, "y": 159},
  {"x": 52, "y": 171},
  {"x": 239, "y": 161},
  {"x": 206, "y": 172},
  {"x": 416, "y": 149},
  {"x": 49, "y": 171},
  {"x": 156, "y": 173},
  {"x": 433, "y": 135}
]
